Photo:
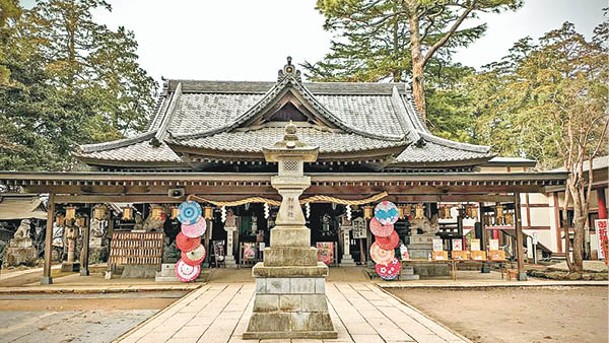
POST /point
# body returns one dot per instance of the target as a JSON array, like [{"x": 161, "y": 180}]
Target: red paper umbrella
[
  {"x": 379, "y": 229},
  {"x": 381, "y": 256},
  {"x": 187, "y": 273},
  {"x": 194, "y": 257},
  {"x": 194, "y": 230},
  {"x": 186, "y": 243},
  {"x": 388, "y": 271},
  {"x": 388, "y": 243}
]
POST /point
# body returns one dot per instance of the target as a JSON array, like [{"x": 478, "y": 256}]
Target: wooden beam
[{"x": 48, "y": 240}]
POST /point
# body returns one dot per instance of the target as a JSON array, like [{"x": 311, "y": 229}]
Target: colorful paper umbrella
[
  {"x": 388, "y": 243},
  {"x": 195, "y": 230},
  {"x": 379, "y": 229},
  {"x": 386, "y": 212},
  {"x": 388, "y": 271},
  {"x": 185, "y": 243},
  {"x": 194, "y": 257},
  {"x": 381, "y": 256},
  {"x": 190, "y": 211},
  {"x": 187, "y": 273}
]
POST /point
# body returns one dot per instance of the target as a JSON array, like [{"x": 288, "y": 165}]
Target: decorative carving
[
  {"x": 23, "y": 231},
  {"x": 425, "y": 225},
  {"x": 289, "y": 69}
]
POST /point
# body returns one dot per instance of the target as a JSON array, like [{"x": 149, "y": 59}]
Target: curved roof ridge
[
  {"x": 119, "y": 143},
  {"x": 165, "y": 119},
  {"x": 403, "y": 116},
  {"x": 458, "y": 145},
  {"x": 287, "y": 82}
]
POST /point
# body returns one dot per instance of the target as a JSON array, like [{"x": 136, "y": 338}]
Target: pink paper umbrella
[
  {"x": 379, "y": 255},
  {"x": 388, "y": 243},
  {"x": 186, "y": 243},
  {"x": 187, "y": 273},
  {"x": 194, "y": 230},
  {"x": 194, "y": 257},
  {"x": 388, "y": 271},
  {"x": 379, "y": 229}
]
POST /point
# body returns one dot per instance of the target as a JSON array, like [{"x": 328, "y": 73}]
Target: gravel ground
[{"x": 517, "y": 315}]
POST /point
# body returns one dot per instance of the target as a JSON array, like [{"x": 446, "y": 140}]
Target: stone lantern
[{"x": 290, "y": 300}]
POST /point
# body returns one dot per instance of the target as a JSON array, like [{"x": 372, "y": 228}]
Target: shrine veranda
[{"x": 205, "y": 142}]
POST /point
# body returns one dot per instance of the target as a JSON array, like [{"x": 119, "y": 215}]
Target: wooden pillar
[
  {"x": 522, "y": 275},
  {"x": 484, "y": 235},
  {"x": 84, "y": 253},
  {"x": 48, "y": 242}
]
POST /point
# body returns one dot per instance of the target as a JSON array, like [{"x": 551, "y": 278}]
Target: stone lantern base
[{"x": 290, "y": 303}]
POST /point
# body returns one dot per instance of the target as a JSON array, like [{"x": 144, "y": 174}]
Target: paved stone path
[{"x": 219, "y": 312}]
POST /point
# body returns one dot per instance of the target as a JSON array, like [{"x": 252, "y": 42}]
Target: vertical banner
[{"x": 601, "y": 235}]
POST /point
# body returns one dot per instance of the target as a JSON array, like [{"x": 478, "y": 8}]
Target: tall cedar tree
[
  {"x": 395, "y": 39},
  {"x": 549, "y": 102},
  {"x": 72, "y": 81}
]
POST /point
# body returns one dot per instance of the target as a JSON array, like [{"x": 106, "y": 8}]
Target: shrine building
[{"x": 205, "y": 142}]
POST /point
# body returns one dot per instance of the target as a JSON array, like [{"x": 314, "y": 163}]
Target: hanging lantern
[
  {"x": 157, "y": 213},
  {"x": 100, "y": 212},
  {"x": 70, "y": 213},
  {"x": 80, "y": 221},
  {"x": 499, "y": 217},
  {"x": 208, "y": 212},
  {"x": 471, "y": 211},
  {"x": 127, "y": 213},
  {"x": 368, "y": 212},
  {"x": 419, "y": 212},
  {"x": 509, "y": 218},
  {"x": 60, "y": 220},
  {"x": 488, "y": 220},
  {"x": 175, "y": 212},
  {"x": 447, "y": 214}
]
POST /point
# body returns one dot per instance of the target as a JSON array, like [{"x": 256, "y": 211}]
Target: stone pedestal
[
  {"x": 290, "y": 300},
  {"x": 420, "y": 246},
  {"x": 167, "y": 273},
  {"x": 21, "y": 251},
  {"x": 69, "y": 267},
  {"x": 407, "y": 274}
]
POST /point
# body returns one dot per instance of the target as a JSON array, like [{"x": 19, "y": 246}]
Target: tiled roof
[
  {"x": 216, "y": 114},
  {"x": 432, "y": 150},
  {"x": 142, "y": 148},
  {"x": 254, "y": 140}
]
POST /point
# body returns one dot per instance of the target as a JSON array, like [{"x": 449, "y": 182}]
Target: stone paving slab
[{"x": 220, "y": 312}]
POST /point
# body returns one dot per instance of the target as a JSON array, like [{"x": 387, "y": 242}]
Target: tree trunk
[{"x": 418, "y": 91}]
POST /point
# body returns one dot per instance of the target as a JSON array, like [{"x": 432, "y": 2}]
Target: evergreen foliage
[{"x": 65, "y": 80}]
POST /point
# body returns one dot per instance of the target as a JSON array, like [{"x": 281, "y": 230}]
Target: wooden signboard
[
  {"x": 478, "y": 255},
  {"x": 496, "y": 255},
  {"x": 459, "y": 255},
  {"x": 359, "y": 228},
  {"x": 439, "y": 255},
  {"x": 136, "y": 248}
]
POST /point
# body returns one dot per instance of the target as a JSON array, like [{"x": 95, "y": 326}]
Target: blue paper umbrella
[
  {"x": 386, "y": 213},
  {"x": 190, "y": 211}
]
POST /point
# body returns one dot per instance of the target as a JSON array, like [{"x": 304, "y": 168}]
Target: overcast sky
[{"x": 249, "y": 40}]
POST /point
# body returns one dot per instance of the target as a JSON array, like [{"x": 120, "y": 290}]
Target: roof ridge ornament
[{"x": 289, "y": 70}]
